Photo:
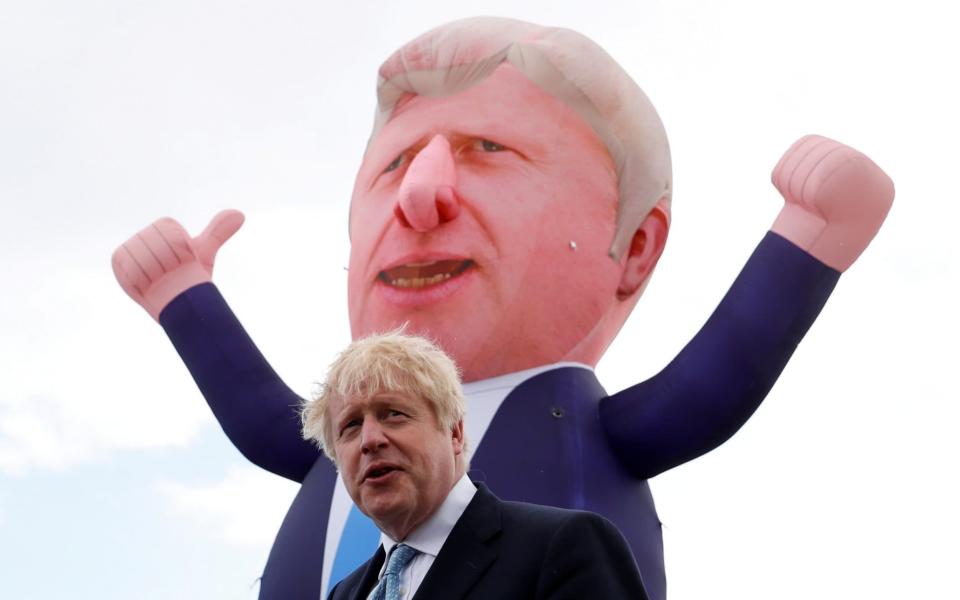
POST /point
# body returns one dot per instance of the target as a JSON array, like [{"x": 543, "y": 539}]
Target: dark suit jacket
[{"x": 506, "y": 550}]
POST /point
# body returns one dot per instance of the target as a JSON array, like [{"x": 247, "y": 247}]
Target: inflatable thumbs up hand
[{"x": 162, "y": 261}]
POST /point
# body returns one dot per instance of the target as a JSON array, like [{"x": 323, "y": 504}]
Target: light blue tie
[{"x": 389, "y": 586}]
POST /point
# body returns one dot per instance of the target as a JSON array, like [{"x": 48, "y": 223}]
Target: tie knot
[{"x": 399, "y": 558}]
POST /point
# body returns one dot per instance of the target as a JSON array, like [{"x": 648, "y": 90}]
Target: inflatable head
[{"x": 513, "y": 199}]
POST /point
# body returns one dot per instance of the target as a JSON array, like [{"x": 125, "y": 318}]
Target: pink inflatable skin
[
  {"x": 484, "y": 220},
  {"x": 497, "y": 195},
  {"x": 428, "y": 196},
  {"x": 162, "y": 261},
  {"x": 836, "y": 199}
]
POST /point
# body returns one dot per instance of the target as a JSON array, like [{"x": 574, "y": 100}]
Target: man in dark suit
[{"x": 390, "y": 416}]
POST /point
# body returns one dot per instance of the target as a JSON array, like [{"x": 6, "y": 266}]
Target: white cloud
[
  {"x": 29, "y": 437},
  {"x": 246, "y": 507},
  {"x": 91, "y": 373},
  {"x": 81, "y": 383}
]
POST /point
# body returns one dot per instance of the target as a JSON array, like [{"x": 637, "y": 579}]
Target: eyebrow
[
  {"x": 378, "y": 169},
  {"x": 459, "y": 136},
  {"x": 343, "y": 418},
  {"x": 456, "y": 137}
]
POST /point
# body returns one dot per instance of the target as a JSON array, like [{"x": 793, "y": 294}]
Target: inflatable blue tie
[{"x": 357, "y": 544}]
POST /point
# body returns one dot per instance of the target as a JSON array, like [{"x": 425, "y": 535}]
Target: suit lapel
[{"x": 468, "y": 552}]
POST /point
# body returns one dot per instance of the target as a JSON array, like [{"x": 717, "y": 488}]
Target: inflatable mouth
[{"x": 421, "y": 275}]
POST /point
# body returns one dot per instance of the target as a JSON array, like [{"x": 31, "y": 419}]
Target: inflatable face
[
  {"x": 484, "y": 220},
  {"x": 513, "y": 199}
]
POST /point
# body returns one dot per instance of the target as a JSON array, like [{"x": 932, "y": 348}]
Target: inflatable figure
[{"x": 512, "y": 204}]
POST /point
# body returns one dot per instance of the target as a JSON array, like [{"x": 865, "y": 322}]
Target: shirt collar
[
  {"x": 484, "y": 397},
  {"x": 509, "y": 381},
  {"x": 429, "y": 537}
]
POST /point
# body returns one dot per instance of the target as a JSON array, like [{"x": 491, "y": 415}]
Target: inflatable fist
[
  {"x": 836, "y": 199},
  {"x": 161, "y": 261}
]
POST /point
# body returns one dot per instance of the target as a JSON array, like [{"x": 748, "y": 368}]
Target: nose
[
  {"x": 371, "y": 436},
  {"x": 427, "y": 196}
]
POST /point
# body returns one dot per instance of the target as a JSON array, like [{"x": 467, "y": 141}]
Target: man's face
[
  {"x": 396, "y": 461},
  {"x": 518, "y": 274}
]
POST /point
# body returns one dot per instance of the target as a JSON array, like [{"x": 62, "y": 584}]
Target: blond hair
[{"x": 392, "y": 362}]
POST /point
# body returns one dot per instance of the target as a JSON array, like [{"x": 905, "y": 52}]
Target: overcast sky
[{"x": 116, "y": 482}]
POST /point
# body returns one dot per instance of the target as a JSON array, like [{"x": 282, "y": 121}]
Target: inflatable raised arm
[
  {"x": 512, "y": 204},
  {"x": 169, "y": 274},
  {"x": 835, "y": 200}
]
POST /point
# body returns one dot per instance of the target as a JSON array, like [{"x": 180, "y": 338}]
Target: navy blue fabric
[
  {"x": 720, "y": 378},
  {"x": 545, "y": 445},
  {"x": 557, "y": 439},
  {"x": 516, "y": 551},
  {"x": 259, "y": 414},
  {"x": 257, "y": 411}
]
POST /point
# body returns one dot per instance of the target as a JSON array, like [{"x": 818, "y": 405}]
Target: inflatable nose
[{"x": 427, "y": 196}]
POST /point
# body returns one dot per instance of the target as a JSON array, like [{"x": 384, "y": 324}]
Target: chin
[{"x": 381, "y": 508}]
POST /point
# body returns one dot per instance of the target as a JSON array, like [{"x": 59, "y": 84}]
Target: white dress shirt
[{"x": 428, "y": 538}]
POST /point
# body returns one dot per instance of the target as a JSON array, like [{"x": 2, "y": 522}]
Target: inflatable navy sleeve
[
  {"x": 257, "y": 411},
  {"x": 720, "y": 378}
]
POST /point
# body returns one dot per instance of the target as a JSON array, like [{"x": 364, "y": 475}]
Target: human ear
[
  {"x": 457, "y": 435},
  {"x": 646, "y": 246}
]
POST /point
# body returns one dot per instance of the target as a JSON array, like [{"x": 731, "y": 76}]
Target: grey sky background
[{"x": 116, "y": 482}]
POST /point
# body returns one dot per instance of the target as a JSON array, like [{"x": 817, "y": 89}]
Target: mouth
[
  {"x": 424, "y": 274},
  {"x": 377, "y": 473}
]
